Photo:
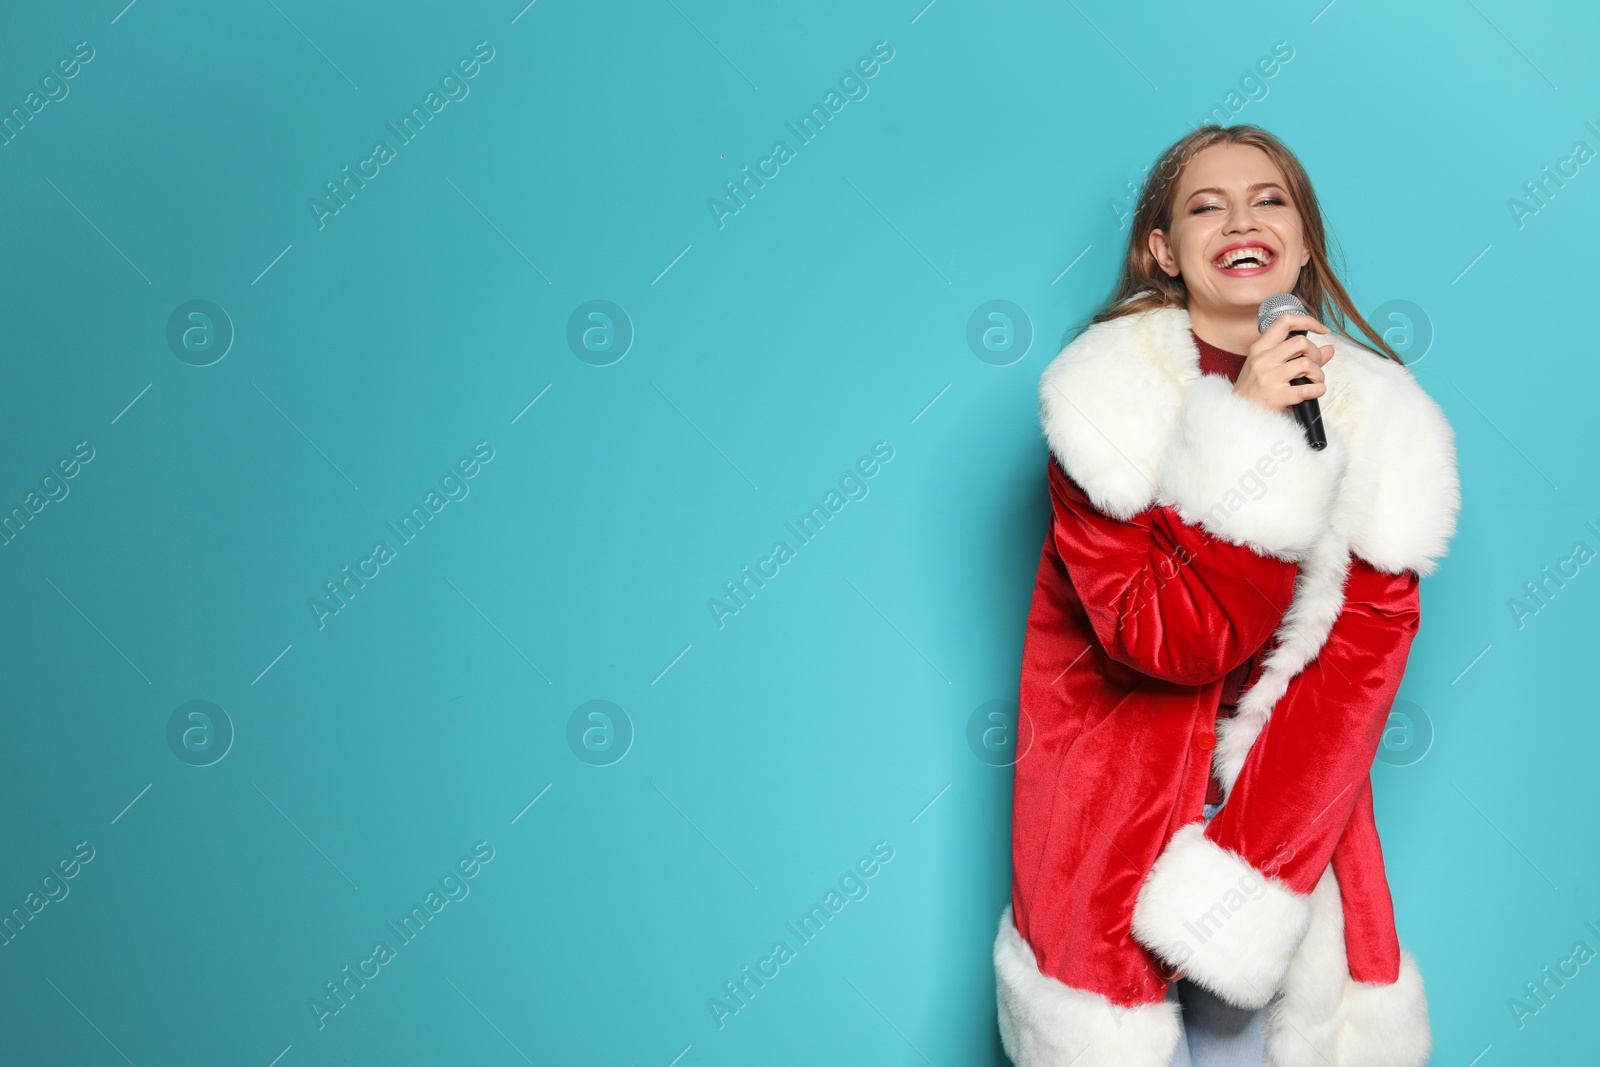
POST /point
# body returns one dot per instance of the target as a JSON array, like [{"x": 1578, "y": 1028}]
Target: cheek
[
  {"x": 1294, "y": 249},
  {"x": 1197, "y": 261},
  {"x": 1196, "y": 239}
]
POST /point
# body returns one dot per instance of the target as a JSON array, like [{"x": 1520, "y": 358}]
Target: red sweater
[{"x": 1214, "y": 360}]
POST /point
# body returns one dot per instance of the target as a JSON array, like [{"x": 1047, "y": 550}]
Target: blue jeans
[{"x": 1215, "y": 1033}]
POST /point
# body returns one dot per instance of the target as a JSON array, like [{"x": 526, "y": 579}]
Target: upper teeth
[{"x": 1259, "y": 254}]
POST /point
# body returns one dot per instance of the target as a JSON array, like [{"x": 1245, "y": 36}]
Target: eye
[{"x": 1264, "y": 201}]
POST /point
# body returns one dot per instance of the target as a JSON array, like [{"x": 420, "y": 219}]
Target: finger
[
  {"x": 1310, "y": 324},
  {"x": 1296, "y": 348},
  {"x": 1312, "y": 350},
  {"x": 1279, "y": 329},
  {"x": 1300, "y": 367},
  {"x": 1293, "y": 320},
  {"x": 1277, "y": 333}
]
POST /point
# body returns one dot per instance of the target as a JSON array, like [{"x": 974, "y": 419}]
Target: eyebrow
[{"x": 1253, "y": 188}]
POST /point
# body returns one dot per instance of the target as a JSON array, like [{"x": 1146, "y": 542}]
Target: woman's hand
[{"x": 1276, "y": 359}]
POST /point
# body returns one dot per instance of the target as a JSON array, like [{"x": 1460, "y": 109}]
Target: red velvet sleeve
[
  {"x": 1307, "y": 769},
  {"x": 1372, "y": 945},
  {"x": 1167, "y": 598}
]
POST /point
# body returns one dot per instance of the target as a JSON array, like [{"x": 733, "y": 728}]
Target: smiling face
[{"x": 1235, "y": 236}]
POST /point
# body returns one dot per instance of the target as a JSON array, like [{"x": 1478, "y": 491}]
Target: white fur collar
[{"x": 1109, "y": 403}]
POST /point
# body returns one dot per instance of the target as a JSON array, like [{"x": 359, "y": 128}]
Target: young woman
[{"x": 1220, "y": 622}]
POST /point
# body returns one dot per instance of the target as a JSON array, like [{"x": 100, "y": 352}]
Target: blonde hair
[{"x": 1144, "y": 285}]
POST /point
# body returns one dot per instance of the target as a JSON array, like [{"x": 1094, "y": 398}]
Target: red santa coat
[{"x": 1192, "y": 528}]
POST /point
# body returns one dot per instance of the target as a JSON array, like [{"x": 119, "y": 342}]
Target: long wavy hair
[{"x": 1144, "y": 285}]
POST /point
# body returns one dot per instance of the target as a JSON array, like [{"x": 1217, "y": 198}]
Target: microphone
[{"x": 1309, "y": 412}]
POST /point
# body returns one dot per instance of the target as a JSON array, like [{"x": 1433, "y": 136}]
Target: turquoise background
[{"x": 759, "y": 761}]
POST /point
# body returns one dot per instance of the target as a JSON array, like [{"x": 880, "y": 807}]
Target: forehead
[{"x": 1230, "y": 167}]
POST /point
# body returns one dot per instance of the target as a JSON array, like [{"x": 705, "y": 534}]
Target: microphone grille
[{"x": 1276, "y": 305}]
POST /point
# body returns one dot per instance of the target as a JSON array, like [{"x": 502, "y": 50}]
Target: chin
[
  {"x": 1249, "y": 292},
  {"x": 1246, "y": 296}
]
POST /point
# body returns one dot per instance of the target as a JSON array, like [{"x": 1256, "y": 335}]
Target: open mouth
[{"x": 1245, "y": 261}]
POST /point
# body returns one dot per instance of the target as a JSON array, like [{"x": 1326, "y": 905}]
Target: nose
[{"x": 1241, "y": 219}]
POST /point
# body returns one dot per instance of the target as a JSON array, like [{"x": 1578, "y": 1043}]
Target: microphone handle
[{"x": 1309, "y": 412}]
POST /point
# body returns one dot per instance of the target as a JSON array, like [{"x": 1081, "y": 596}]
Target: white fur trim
[
  {"x": 1404, "y": 491},
  {"x": 1230, "y": 928},
  {"x": 1107, "y": 404},
  {"x": 1386, "y": 1025},
  {"x": 1047, "y": 1023},
  {"x": 1225, "y": 447},
  {"x": 1316, "y": 604},
  {"x": 1110, "y": 400},
  {"x": 1303, "y": 1023},
  {"x": 1324, "y": 1017}
]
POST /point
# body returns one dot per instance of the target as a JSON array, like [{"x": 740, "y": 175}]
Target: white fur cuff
[
  {"x": 1047, "y": 1023},
  {"x": 1246, "y": 473},
  {"x": 1210, "y": 914},
  {"x": 1385, "y": 1025}
]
